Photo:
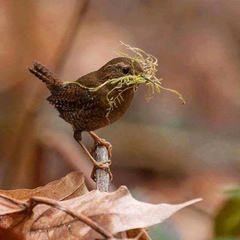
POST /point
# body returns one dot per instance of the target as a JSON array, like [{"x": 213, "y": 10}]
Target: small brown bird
[{"x": 88, "y": 110}]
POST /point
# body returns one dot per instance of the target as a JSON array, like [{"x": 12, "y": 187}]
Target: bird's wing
[{"x": 72, "y": 97}]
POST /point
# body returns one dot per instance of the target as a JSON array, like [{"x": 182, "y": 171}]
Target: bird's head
[{"x": 120, "y": 67}]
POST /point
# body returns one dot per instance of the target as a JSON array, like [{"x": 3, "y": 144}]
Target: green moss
[{"x": 149, "y": 65}]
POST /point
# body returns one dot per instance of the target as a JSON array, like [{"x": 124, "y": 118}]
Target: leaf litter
[{"x": 93, "y": 215}]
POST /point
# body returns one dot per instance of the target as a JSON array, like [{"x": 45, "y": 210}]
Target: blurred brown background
[{"x": 163, "y": 151}]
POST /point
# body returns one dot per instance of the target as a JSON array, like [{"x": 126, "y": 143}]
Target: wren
[{"x": 87, "y": 110}]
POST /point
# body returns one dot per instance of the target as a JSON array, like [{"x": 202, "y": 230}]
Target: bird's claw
[
  {"x": 103, "y": 142},
  {"x": 102, "y": 165}
]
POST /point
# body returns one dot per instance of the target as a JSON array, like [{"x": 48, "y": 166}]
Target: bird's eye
[{"x": 126, "y": 70}]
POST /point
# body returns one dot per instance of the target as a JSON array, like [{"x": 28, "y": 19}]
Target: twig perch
[{"x": 102, "y": 175}]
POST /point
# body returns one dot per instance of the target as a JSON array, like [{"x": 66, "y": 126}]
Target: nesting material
[{"x": 149, "y": 65}]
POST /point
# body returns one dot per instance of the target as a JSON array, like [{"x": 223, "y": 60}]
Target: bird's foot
[
  {"x": 100, "y": 141},
  {"x": 97, "y": 165},
  {"x": 101, "y": 165}
]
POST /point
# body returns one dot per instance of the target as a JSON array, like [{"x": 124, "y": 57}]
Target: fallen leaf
[
  {"x": 139, "y": 234},
  {"x": 70, "y": 186},
  {"x": 10, "y": 205},
  {"x": 6, "y": 234},
  {"x": 14, "y": 207},
  {"x": 93, "y": 215}
]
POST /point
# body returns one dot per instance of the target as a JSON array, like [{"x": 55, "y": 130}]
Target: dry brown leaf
[
  {"x": 93, "y": 215},
  {"x": 10, "y": 205},
  {"x": 139, "y": 234},
  {"x": 6, "y": 234},
  {"x": 70, "y": 186},
  {"x": 13, "y": 208}
]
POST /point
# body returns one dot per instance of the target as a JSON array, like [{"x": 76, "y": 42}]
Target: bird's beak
[{"x": 146, "y": 78}]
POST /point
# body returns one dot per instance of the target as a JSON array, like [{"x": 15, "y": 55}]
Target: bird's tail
[{"x": 52, "y": 81}]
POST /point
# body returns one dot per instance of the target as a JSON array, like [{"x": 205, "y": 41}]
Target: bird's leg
[
  {"x": 103, "y": 142},
  {"x": 78, "y": 137}
]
